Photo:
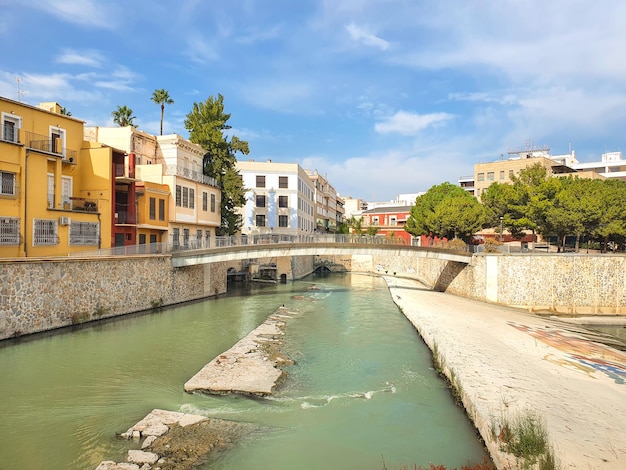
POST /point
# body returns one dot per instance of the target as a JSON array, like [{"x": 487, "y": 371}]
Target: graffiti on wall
[{"x": 580, "y": 354}]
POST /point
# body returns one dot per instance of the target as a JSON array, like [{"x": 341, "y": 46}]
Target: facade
[
  {"x": 192, "y": 209},
  {"x": 353, "y": 207},
  {"x": 501, "y": 171},
  {"x": 280, "y": 198},
  {"x": 42, "y": 149},
  {"x": 390, "y": 221},
  {"x": 611, "y": 166},
  {"x": 328, "y": 211}
]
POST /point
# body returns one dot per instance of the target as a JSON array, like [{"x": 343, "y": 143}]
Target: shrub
[
  {"x": 456, "y": 244},
  {"x": 492, "y": 245}
]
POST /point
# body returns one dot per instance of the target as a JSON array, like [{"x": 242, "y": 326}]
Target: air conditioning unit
[{"x": 64, "y": 220}]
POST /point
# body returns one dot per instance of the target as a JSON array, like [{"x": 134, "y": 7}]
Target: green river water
[{"x": 361, "y": 395}]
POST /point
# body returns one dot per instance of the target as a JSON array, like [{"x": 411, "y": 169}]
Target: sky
[{"x": 382, "y": 97}]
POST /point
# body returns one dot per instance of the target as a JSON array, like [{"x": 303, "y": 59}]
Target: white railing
[{"x": 235, "y": 241}]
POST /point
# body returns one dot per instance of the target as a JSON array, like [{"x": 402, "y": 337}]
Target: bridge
[{"x": 272, "y": 246}]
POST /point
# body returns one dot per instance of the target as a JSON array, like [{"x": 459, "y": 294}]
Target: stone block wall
[{"x": 43, "y": 295}]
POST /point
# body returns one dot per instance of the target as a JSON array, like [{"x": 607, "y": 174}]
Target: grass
[
  {"x": 484, "y": 465},
  {"x": 525, "y": 436}
]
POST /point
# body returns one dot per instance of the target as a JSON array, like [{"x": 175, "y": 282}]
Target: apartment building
[
  {"x": 389, "y": 220},
  {"x": 173, "y": 164},
  {"x": 328, "y": 206},
  {"x": 49, "y": 204},
  {"x": 501, "y": 171},
  {"x": 280, "y": 198}
]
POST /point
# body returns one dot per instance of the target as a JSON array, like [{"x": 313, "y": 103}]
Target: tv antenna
[{"x": 20, "y": 93}]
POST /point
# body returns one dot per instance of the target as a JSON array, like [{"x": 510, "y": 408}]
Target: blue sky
[{"x": 381, "y": 96}]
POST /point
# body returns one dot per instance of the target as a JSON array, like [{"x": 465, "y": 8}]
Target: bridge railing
[{"x": 237, "y": 240}]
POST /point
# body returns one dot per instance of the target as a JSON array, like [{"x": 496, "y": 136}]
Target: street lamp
[{"x": 501, "y": 227}]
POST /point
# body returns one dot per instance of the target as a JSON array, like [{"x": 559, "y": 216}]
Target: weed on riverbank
[
  {"x": 526, "y": 437},
  {"x": 485, "y": 465}
]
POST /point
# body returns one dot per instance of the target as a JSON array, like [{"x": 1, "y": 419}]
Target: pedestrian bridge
[{"x": 229, "y": 249}]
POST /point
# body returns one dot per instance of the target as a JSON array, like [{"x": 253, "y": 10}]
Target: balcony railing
[
  {"x": 125, "y": 218},
  {"x": 49, "y": 145},
  {"x": 191, "y": 175}
]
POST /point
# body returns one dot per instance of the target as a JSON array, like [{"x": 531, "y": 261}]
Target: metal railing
[
  {"x": 50, "y": 145},
  {"x": 236, "y": 241}
]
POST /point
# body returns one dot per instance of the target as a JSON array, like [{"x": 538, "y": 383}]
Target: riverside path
[{"x": 508, "y": 362}]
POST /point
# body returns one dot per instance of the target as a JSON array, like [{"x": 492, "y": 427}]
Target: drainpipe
[{"x": 26, "y": 203}]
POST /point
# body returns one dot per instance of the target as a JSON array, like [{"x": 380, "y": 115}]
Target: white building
[{"x": 280, "y": 198}]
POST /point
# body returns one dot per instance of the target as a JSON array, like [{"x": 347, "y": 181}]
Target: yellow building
[
  {"x": 501, "y": 171},
  {"x": 46, "y": 207},
  {"x": 152, "y": 213},
  {"x": 193, "y": 213}
]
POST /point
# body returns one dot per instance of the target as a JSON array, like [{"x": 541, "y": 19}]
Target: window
[
  {"x": 84, "y": 233},
  {"x": 212, "y": 202},
  {"x": 392, "y": 220},
  {"x": 192, "y": 198},
  {"x": 481, "y": 177},
  {"x": 260, "y": 200},
  {"x": 375, "y": 220},
  {"x": 185, "y": 197},
  {"x": 178, "y": 196},
  {"x": 66, "y": 191},
  {"x": 152, "y": 208},
  {"x": 260, "y": 181},
  {"x": 176, "y": 236},
  {"x": 283, "y": 182},
  {"x": 9, "y": 231},
  {"x": 283, "y": 201},
  {"x": 510, "y": 174},
  {"x": 502, "y": 174},
  {"x": 199, "y": 236},
  {"x": 7, "y": 183},
  {"x": 205, "y": 201},
  {"x": 57, "y": 140},
  {"x": 490, "y": 176},
  {"x": 186, "y": 237},
  {"x": 260, "y": 220},
  {"x": 45, "y": 232},
  {"x": 283, "y": 221},
  {"x": 10, "y": 127},
  {"x": 161, "y": 209}
]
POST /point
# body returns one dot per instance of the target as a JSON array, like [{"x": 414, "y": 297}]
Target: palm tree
[
  {"x": 65, "y": 112},
  {"x": 123, "y": 116},
  {"x": 162, "y": 97}
]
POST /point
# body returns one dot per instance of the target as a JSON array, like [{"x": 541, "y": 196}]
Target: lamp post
[{"x": 501, "y": 227}]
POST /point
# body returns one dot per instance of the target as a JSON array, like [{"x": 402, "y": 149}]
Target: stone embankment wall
[
  {"x": 37, "y": 296},
  {"x": 558, "y": 283}
]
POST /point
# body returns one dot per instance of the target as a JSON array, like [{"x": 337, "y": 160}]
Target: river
[{"x": 362, "y": 393}]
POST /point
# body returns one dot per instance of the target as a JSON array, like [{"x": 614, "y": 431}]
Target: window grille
[
  {"x": 9, "y": 231},
  {"x": 84, "y": 233},
  {"x": 45, "y": 232},
  {"x": 260, "y": 200},
  {"x": 192, "y": 198},
  {"x": 212, "y": 202},
  {"x": 283, "y": 182},
  {"x": 283, "y": 221},
  {"x": 283, "y": 201},
  {"x": 178, "y": 196},
  {"x": 260, "y": 181},
  {"x": 205, "y": 201},
  {"x": 7, "y": 183}
]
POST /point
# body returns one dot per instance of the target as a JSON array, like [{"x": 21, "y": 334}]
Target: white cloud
[
  {"x": 362, "y": 35},
  {"x": 201, "y": 50},
  {"x": 92, "y": 13},
  {"x": 90, "y": 58},
  {"x": 410, "y": 123}
]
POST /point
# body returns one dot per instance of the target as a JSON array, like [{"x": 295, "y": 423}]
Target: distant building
[
  {"x": 389, "y": 220},
  {"x": 328, "y": 209},
  {"x": 280, "y": 198}
]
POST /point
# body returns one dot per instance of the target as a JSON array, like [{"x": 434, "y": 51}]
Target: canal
[{"x": 361, "y": 394}]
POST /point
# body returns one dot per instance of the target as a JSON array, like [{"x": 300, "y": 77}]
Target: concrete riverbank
[{"x": 507, "y": 362}]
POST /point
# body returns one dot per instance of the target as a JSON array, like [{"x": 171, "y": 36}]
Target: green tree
[
  {"x": 612, "y": 223},
  {"x": 207, "y": 124},
  {"x": 123, "y": 116},
  {"x": 65, "y": 112},
  {"x": 458, "y": 217},
  {"x": 372, "y": 230},
  {"x": 162, "y": 97},
  {"x": 422, "y": 218}
]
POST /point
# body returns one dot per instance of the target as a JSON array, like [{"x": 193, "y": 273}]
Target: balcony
[
  {"x": 125, "y": 218},
  {"x": 190, "y": 175},
  {"x": 47, "y": 144}
]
